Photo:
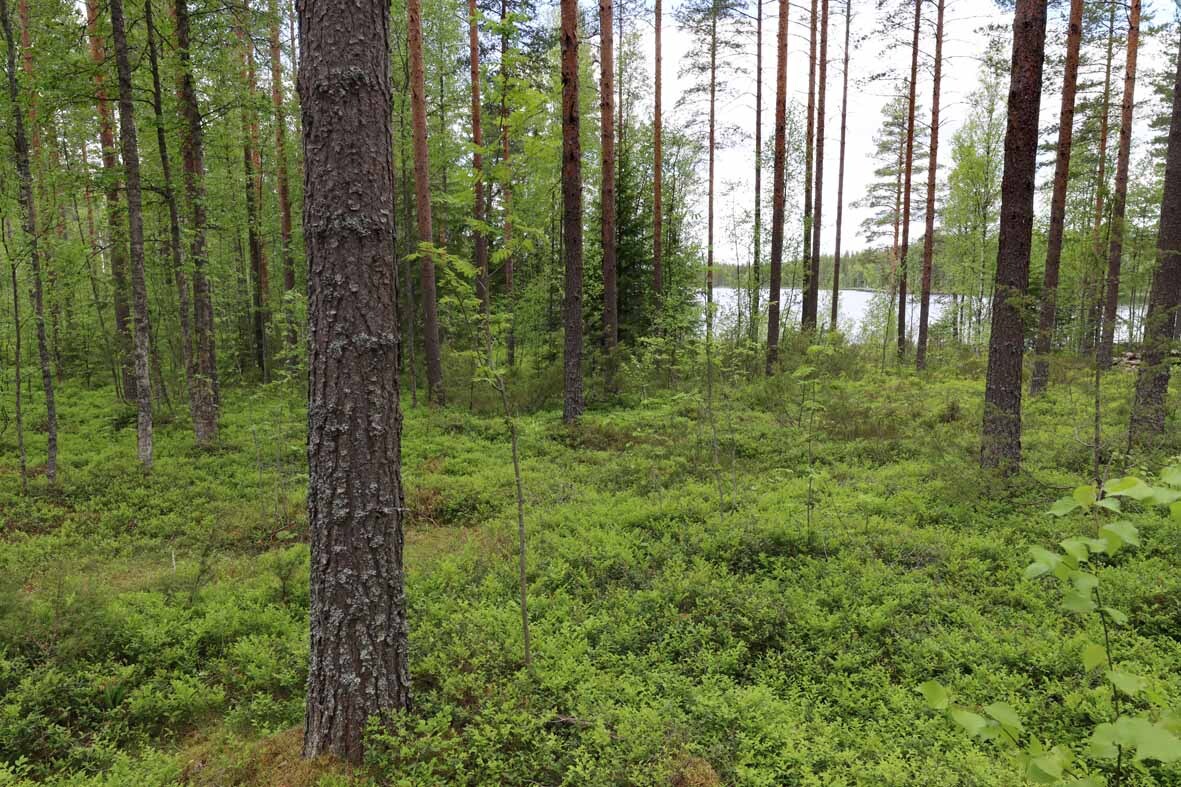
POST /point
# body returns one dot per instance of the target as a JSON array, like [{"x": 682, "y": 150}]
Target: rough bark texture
[
  {"x": 1001, "y": 439},
  {"x": 481, "y": 237},
  {"x": 28, "y": 207},
  {"x": 712, "y": 153},
  {"x": 818, "y": 207},
  {"x": 1119, "y": 200},
  {"x": 184, "y": 306},
  {"x": 1048, "y": 313},
  {"x": 836, "y": 259},
  {"x": 607, "y": 159},
  {"x": 920, "y": 355},
  {"x": 808, "y": 306},
  {"x": 507, "y": 186},
  {"x": 573, "y": 403},
  {"x": 757, "y": 259},
  {"x": 777, "y": 188},
  {"x": 116, "y": 218},
  {"x": 139, "y": 289},
  {"x": 1152, "y": 382},
  {"x": 908, "y": 172},
  {"x": 286, "y": 253},
  {"x": 252, "y": 187},
  {"x": 657, "y": 169},
  {"x": 358, "y": 664},
  {"x": 192, "y": 147},
  {"x": 422, "y": 205},
  {"x": 1093, "y": 303}
]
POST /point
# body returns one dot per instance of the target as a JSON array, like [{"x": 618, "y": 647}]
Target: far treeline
[{"x": 480, "y": 184}]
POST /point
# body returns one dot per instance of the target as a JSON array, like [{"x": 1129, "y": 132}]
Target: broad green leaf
[
  {"x": 1118, "y": 535},
  {"x": 1119, "y": 486},
  {"x": 1093, "y": 656},
  {"x": 936, "y": 695},
  {"x": 1035, "y": 570},
  {"x": 1004, "y": 713},
  {"x": 1126, "y": 682},
  {"x": 1043, "y": 555},
  {"x": 1078, "y": 602},
  {"x": 1153, "y": 741},
  {"x": 1117, "y": 616},
  {"x": 973, "y": 723},
  {"x": 1063, "y": 506},
  {"x": 1103, "y": 742},
  {"x": 1171, "y": 475},
  {"x": 1076, "y": 548},
  {"x": 1175, "y": 511},
  {"x": 1098, "y": 545},
  {"x": 1085, "y": 495},
  {"x": 1084, "y": 582},
  {"x": 1046, "y": 768},
  {"x": 1110, "y": 503}
]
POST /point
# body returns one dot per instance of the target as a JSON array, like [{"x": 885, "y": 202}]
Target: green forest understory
[{"x": 767, "y": 606}]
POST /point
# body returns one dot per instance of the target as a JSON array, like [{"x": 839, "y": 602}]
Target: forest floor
[{"x": 695, "y": 620}]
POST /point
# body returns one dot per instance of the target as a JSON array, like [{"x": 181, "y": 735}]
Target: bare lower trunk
[
  {"x": 657, "y": 170},
  {"x": 480, "y": 236},
  {"x": 904, "y": 248},
  {"x": 777, "y": 189},
  {"x": 286, "y": 253},
  {"x": 422, "y": 200},
  {"x": 757, "y": 260},
  {"x": 507, "y": 186},
  {"x": 712, "y": 153},
  {"x": 607, "y": 160},
  {"x": 573, "y": 404},
  {"x": 808, "y": 307},
  {"x": 1119, "y": 202},
  {"x": 1001, "y": 440},
  {"x": 1092, "y": 306},
  {"x": 139, "y": 288},
  {"x": 1048, "y": 313},
  {"x": 836, "y": 260},
  {"x": 818, "y": 208},
  {"x": 932, "y": 168},
  {"x": 358, "y": 667}
]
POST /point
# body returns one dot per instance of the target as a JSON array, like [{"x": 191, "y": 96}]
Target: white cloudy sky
[{"x": 963, "y": 47}]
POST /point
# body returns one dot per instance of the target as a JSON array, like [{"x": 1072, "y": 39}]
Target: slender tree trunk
[
  {"x": 22, "y": 456},
  {"x": 116, "y": 218},
  {"x": 1092, "y": 287},
  {"x": 573, "y": 403},
  {"x": 607, "y": 159},
  {"x": 358, "y": 667},
  {"x": 1048, "y": 313},
  {"x": 507, "y": 186},
  {"x": 809, "y": 306},
  {"x": 29, "y": 219},
  {"x": 818, "y": 207},
  {"x": 1160, "y": 323},
  {"x": 252, "y": 182},
  {"x": 205, "y": 392},
  {"x": 480, "y": 236},
  {"x": 836, "y": 260},
  {"x": 920, "y": 357},
  {"x": 281, "y": 174},
  {"x": 422, "y": 200},
  {"x": 713, "y": 121},
  {"x": 1119, "y": 202},
  {"x": 1001, "y": 440},
  {"x": 756, "y": 272},
  {"x": 777, "y": 188},
  {"x": 908, "y": 173},
  {"x": 658, "y": 170},
  {"x": 184, "y": 307},
  {"x": 139, "y": 287}
]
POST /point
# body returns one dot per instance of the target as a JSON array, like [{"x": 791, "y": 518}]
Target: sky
[{"x": 962, "y": 49}]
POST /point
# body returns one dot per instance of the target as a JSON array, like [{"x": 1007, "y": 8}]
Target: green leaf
[
  {"x": 1085, "y": 495},
  {"x": 1084, "y": 582},
  {"x": 1005, "y": 714},
  {"x": 1171, "y": 475},
  {"x": 1035, "y": 570},
  {"x": 1076, "y": 548},
  {"x": 1045, "y": 556},
  {"x": 1046, "y": 768},
  {"x": 937, "y": 696},
  {"x": 1078, "y": 602},
  {"x": 973, "y": 723},
  {"x": 1103, "y": 742},
  {"x": 1117, "y": 616},
  {"x": 1063, "y": 506},
  {"x": 1093, "y": 655},
  {"x": 1110, "y": 503},
  {"x": 1121, "y": 486},
  {"x": 1126, "y": 682},
  {"x": 1118, "y": 535},
  {"x": 1153, "y": 741}
]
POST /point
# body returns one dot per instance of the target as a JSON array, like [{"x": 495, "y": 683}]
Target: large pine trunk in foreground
[
  {"x": 1048, "y": 313},
  {"x": 907, "y": 189},
  {"x": 573, "y": 403},
  {"x": 920, "y": 354},
  {"x": 1152, "y": 383},
  {"x": 1001, "y": 439},
  {"x": 358, "y": 666},
  {"x": 1119, "y": 200},
  {"x": 777, "y": 189},
  {"x": 28, "y": 206},
  {"x": 129, "y": 144}
]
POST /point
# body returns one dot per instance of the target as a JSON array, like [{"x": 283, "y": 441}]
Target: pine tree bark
[
  {"x": 252, "y": 188},
  {"x": 1160, "y": 324},
  {"x": 28, "y": 207},
  {"x": 116, "y": 217},
  {"x": 607, "y": 159},
  {"x": 712, "y": 154},
  {"x": 777, "y": 188},
  {"x": 282, "y": 185},
  {"x": 920, "y": 356},
  {"x": 1001, "y": 437},
  {"x": 1119, "y": 200},
  {"x": 1092, "y": 308},
  {"x": 184, "y": 306},
  {"x": 205, "y": 391},
  {"x": 139, "y": 289},
  {"x": 908, "y": 173},
  {"x": 507, "y": 186},
  {"x": 836, "y": 259},
  {"x": 573, "y": 403},
  {"x": 818, "y": 207},
  {"x": 358, "y": 664},
  {"x": 658, "y": 168},
  {"x": 808, "y": 307},
  {"x": 757, "y": 261},
  {"x": 422, "y": 200},
  {"x": 480, "y": 236},
  {"x": 1048, "y": 312}
]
